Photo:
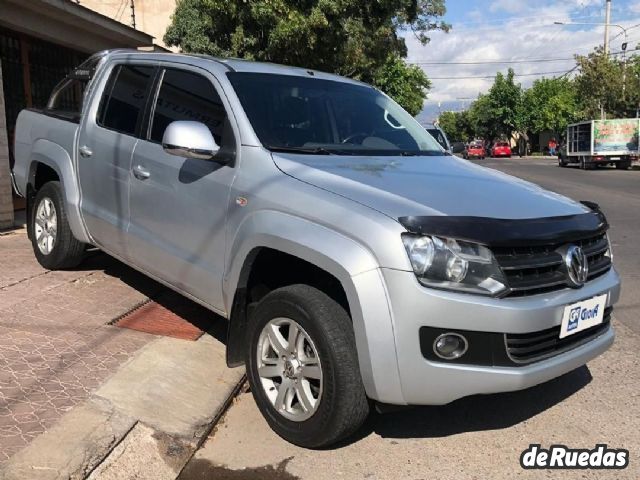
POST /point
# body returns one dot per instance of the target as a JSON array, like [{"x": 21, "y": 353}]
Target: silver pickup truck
[{"x": 354, "y": 259}]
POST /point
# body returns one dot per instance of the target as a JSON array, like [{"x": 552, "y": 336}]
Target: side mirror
[
  {"x": 188, "y": 139},
  {"x": 457, "y": 147}
]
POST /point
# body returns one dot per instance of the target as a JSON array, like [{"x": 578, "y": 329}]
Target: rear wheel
[
  {"x": 585, "y": 164},
  {"x": 303, "y": 367},
  {"x": 623, "y": 164},
  {"x": 54, "y": 245}
]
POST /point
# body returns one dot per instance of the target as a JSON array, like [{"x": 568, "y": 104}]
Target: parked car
[
  {"x": 354, "y": 260},
  {"x": 501, "y": 149},
  {"x": 475, "y": 150},
  {"x": 458, "y": 147},
  {"x": 441, "y": 137}
]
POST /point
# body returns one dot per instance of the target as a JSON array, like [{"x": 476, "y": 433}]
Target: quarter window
[
  {"x": 123, "y": 100},
  {"x": 186, "y": 95}
]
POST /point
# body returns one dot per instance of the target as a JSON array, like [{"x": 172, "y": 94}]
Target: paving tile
[{"x": 55, "y": 345}]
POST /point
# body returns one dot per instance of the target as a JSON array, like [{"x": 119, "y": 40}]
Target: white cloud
[
  {"x": 509, "y": 6},
  {"x": 530, "y": 34}
]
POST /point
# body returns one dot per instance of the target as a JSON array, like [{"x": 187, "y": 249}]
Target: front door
[
  {"x": 106, "y": 142},
  {"x": 178, "y": 205}
]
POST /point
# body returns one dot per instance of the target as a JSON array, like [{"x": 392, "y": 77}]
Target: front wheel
[
  {"x": 53, "y": 243},
  {"x": 303, "y": 367}
]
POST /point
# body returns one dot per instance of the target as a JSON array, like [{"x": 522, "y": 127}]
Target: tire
[
  {"x": 341, "y": 406},
  {"x": 53, "y": 244},
  {"x": 623, "y": 165},
  {"x": 584, "y": 165}
]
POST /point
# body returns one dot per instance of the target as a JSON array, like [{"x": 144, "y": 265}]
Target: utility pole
[
  {"x": 607, "y": 21},
  {"x": 132, "y": 4}
]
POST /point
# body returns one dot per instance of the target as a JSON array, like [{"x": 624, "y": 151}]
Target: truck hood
[{"x": 423, "y": 185}]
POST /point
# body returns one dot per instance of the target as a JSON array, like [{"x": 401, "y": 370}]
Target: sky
[{"x": 512, "y": 30}]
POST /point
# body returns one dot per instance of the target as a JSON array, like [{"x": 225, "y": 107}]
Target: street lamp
[
  {"x": 606, "y": 46},
  {"x": 606, "y": 39}
]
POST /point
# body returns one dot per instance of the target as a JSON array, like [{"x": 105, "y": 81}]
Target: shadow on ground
[
  {"x": 199, "y": 316},
  {"x": 476, "y": 413},
  {"x": 202, "y": 469}
]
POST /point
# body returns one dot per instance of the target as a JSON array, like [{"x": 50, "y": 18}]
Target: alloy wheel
[
  {"x": 46, "y": 225},
  {"x": 289, "y": 369}
]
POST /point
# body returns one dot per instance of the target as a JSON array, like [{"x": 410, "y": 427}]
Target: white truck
[{"x": 601, "y": 142}]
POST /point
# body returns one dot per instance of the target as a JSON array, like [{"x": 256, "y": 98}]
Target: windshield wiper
[
  {"x": 422, "y": 153},
  {"x": 308, "y": 151}
]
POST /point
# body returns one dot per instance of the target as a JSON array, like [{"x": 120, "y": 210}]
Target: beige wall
[{"x": 152, "y": 16}]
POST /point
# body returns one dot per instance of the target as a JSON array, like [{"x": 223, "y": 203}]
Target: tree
[
  {"x": 604, "y": 83},
  {"x": 447, "y": 121},
  {"x": 551, "y": 104},
  {"x": 457, "y": 125},
  {"x": 356, "y": 38},
  {"x": 505, "y": 105},
  {"x": 406, "y": 84}
]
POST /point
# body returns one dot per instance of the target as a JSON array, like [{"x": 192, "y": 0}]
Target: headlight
[
  {"x": 451, "y": 264},
  {"x": 609, "y": 251}
]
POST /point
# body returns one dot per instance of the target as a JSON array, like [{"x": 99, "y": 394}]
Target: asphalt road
[{"x": 479, "y": 437}]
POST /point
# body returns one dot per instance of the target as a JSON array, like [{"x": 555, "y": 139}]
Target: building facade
[
  {"x": 150, "y": 16},
  {"x": 41, "y": 41}
]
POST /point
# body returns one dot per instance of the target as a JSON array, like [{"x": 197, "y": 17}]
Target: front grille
[
  {"x": 535, "y": 346},
  {"x": 540, "y": 269}
]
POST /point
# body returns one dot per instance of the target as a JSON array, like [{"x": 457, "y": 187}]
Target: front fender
[
  {"x": 54, "y": 156},
  {"x": 348, "y": 261}
]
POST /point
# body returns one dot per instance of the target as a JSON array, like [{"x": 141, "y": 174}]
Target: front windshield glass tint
[{"x": 310, "y": 115}]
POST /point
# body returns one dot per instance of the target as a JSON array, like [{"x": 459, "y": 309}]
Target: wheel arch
[
  {"x": 338, "y": 256},
  {"x": 53, "y": 157}
]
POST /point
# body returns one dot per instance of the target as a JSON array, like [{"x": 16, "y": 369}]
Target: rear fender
[{"x": 56, "y": 157}]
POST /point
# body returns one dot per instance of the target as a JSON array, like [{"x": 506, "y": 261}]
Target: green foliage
[
  {"x": 447, "y": 121},
  {"x": 504, "y": 101},
  {"x": 604, "y": 82},
  {"x": 406, "y": 84},
  {"x": 356, "y": 38},
  {"x": 457, "y": 125},
  {"x": 550, "y": 104}
]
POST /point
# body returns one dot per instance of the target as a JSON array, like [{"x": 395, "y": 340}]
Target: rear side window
[
  {"x": 67, "y": 98},
  {"x": 186, "y": 95},
  {"x": 124, "y": 97}
]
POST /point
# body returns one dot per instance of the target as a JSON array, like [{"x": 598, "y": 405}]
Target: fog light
[{"x": 450, "y": 346}]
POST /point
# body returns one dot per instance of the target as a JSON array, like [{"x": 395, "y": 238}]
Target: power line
[
  {"x": 493, "y": 76},
  {"x": 500, "y": 62},
  {"x": 489, "y": 62},
  {"x": 563, "y": 72}
]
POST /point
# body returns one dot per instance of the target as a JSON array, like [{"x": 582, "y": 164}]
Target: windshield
[{"x": 314, "y": 116}]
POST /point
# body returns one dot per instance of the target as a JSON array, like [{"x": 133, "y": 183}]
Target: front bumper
[{"x": 423, "y": 381}]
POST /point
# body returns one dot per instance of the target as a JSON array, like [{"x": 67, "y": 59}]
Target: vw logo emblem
[{"x": 577, "y": 266}]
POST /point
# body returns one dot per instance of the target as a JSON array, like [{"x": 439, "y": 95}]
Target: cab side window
[
  {"x": 123, "y": 99},
  {"x": 185, "y": 95}
]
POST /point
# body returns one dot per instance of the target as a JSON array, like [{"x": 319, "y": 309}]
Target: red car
[
  {"x": 474, "y": 150},
  {"x": 501, "y": 149}
]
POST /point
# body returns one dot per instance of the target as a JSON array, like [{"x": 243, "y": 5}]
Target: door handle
[
  {"x": 85, "y": 151},
  {"x": 141, "y": 173}
]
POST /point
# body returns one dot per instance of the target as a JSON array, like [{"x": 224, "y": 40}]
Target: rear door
[
  {"x": 179, "y": 205},
  {"x": 106, "y": 142}
]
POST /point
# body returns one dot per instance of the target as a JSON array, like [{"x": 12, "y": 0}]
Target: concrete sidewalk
[{"x": 75, "y": 390}]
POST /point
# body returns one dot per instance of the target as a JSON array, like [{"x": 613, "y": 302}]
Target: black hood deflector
[{"x": 497, "y": 232}]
